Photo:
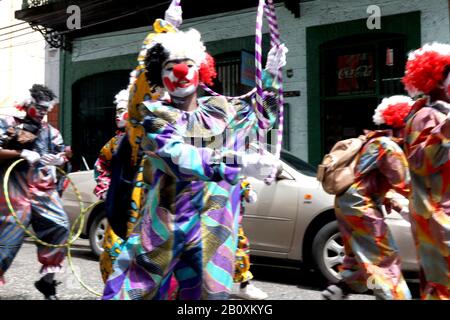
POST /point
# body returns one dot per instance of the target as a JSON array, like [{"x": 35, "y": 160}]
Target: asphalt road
[{"x": 279, "y": 283}]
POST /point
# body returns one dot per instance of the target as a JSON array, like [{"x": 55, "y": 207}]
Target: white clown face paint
[
  {"x": 180, "y": 77},
  {"x": 121, "y": 116}
]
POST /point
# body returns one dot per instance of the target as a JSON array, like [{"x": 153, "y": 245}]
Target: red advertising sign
[{"x": 355, "y": 74}]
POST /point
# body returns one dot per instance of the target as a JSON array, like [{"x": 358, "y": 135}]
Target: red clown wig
[{"x": 425, "y": 68}]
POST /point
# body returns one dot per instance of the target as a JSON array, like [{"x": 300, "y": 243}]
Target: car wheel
[
  {"x": 328, "y": 251},
  {"x": 97, "y": 233}
]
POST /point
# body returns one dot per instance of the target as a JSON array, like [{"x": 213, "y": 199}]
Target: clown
[
  {"x": 32, "y": 187},
  {"x": 371, "y": 255},
  {"x": 189, "y": 220},
  {"x": 102, "y": 174},
  {"x": 428, "y": 150}
]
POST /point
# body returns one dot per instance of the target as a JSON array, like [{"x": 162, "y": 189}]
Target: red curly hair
[
  {"x": 425, "y": 68},
  {"x": 207, "y": 70}
]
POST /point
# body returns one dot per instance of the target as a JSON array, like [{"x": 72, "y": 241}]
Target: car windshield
[{"x": 298, "y": 164}]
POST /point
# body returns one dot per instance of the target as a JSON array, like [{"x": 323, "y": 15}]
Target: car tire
[
  {"x": 97, "y": 232},
  {"x": 328, "y": 251}
]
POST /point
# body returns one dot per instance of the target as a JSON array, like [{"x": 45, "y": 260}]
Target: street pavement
[{"x": 279, "y": 283}]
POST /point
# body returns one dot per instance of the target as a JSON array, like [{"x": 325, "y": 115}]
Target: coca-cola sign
[
  {"x": 359, "y": 72},
  {"x": 355, "y": 73}
]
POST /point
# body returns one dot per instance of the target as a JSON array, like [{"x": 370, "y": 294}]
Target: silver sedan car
[{"x": 293, "y": 219}]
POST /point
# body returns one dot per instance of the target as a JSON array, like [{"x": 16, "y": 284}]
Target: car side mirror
[{"x": 283, "y": 174}]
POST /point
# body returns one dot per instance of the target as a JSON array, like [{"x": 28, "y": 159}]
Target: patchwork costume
[
  {"x": 33, "y": 194},
  {"x": 102, "y": 174},
  {"x": 427, "y": 147},
  {"x": 370, "y": 250},
  {"x": 190, "y": 218},
  {"x": 188, "y": 225},
  {"x": 372, "y": 258},
  {"x": 428, "y": 153}
]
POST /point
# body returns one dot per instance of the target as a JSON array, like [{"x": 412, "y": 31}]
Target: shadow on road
[
  {"x": 305, "y": 278},
  {"x": 83, "y": 253},
  {"x": 302, "y": 278}
]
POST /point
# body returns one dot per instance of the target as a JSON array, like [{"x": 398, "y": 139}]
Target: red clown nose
[{"x": 180, "y": 70}]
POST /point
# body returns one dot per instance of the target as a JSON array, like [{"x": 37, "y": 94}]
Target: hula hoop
[
  {"x": 78, "y": 221},
  {"x": 80, "y": 218},
  {"x": 264, "y": 7}
]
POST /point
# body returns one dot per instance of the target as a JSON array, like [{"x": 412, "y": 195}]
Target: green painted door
[{"x": 94, "y": 113}]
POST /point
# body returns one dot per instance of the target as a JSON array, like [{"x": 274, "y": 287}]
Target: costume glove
[
  {"x": 259, "y": 166},
  {"x": 30, "y": 156},
  {"x": 276, "y": 58},
  {"x": 52, "y": 159},
  {"x": 252, "y": 197},
  {"x": 174, "y": 14}
]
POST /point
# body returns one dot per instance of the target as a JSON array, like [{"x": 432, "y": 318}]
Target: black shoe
[
  {"x": 338, "y": 291},
  {"x": 48, "y": 289}
]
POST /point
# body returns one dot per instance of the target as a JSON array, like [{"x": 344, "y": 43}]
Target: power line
[
  {"x": 19, "y": 35},
  {"x": 14, "y": 31},
  {"x": 13, "y": 25},
  {"x": 21, "y": 44}
]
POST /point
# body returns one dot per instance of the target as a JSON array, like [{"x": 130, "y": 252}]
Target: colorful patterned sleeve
[
  {"x": 102, "y": 168},
  {"x": 393, "y": 165},
  {"x": 428, "y": 149},
  {"x": 170, "y": 154},
  {"x": 57, "y": 142}
]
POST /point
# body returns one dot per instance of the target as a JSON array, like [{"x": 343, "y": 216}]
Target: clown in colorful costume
[
  {"x": 32, "y": 187},
  {"x": 371, "y": 254},
  {"x": 427, "y": 146},
  {"x": 189, "y": 221},
  {"x": 112, "y": 243},
  {"x": 102, "y": 174}
]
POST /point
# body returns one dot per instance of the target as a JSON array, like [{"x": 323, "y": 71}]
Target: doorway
[
  {"x": 93, "y": 114},
  {"x": 356, "y": 74}
]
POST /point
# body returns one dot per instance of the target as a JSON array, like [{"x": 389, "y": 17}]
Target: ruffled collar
[
  {"x": 209, "y": 119},
  {"x": 28, "y": 125}
]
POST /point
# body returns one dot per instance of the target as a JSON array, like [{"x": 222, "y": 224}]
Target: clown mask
[
  {"x": 37, "y": 112},
  {"x": 180, "y": 77}
]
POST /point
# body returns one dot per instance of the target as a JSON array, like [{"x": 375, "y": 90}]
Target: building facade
[{"x": 344, "y": 57}]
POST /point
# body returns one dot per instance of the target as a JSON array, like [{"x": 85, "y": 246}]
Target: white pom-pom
[{"x": 378, "y": 118}]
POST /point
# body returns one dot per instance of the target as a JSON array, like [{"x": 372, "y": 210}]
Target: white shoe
[{"x": 250, "y": 292}]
